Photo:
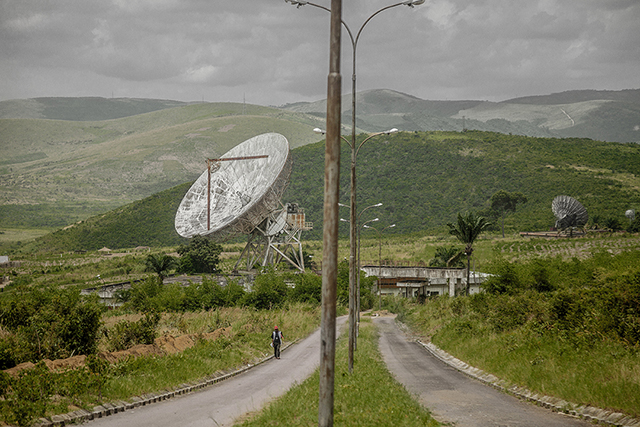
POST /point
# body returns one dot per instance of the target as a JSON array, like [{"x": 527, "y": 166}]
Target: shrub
[
  {"x": 269, "y": 290},
  {"x": 27, "y": 397},
  {"x": 142, "y": 295},
  {"x": 49, "y": 323},
  {"x": 308, "y": 288},
  {"x": 541, "y": 277},
  {"x": 505, "y": 280},
  {"x": 126, "y": 334}
]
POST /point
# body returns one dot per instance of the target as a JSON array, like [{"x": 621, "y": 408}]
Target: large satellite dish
[
  {"x": 237, "y": 191},
  {"x": 240, "y": 193},
  {"x": 569, "y": 213}
]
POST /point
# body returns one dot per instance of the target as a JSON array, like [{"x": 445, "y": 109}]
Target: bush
[
  {"x": 269, "y": 290},
  {"x": 541, "y": 277},
  {"x": 504, "y": 281},
  {"x": 51, "y": 323},
  {"x": 26, "y": 398},
  {"x": 308, "y": 288},
  {"x": 126, "y": 334},
  {"x": 142, "y": 295}
]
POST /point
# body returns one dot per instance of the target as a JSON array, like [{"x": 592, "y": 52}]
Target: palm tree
[
  {"x": 447, "y": 257},
  {"x": 467, "y": 230},
  {"x": 160, "y": 264}
]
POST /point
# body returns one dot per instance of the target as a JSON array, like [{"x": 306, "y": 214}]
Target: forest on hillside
[{"x": 424, "y": 179}]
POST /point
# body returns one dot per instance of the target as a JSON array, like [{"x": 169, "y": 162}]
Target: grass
[
  {"x": 246, "y": 341},
  {"x": 10, "y": 235},
  {"x": 369, "y": 396}
]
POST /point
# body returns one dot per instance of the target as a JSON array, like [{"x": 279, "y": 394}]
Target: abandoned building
[{"x": 413, "y": 281}]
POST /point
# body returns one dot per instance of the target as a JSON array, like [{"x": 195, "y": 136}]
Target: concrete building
[{"x": 412, "y": 281}]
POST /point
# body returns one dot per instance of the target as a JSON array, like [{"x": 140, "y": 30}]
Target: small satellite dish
[
  {"x": 569, "y": 212},
  {"x": 631, "y": 214},
  {"x": 237, "y": 191}
]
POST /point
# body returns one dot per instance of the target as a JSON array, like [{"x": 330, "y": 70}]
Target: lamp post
[
  {"x": 357, "y": 287},
  {"x": 330, "y": 225},
  {"x": 358, "y": 270},
  {"x": 352, "y": 144},
  {"x": 359, "y": 266},
  {"x": 353, "y": 238},
  {"x": 379, "y": 260}
]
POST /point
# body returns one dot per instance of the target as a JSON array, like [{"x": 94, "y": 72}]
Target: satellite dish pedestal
[{"x": 276, "y": 240}]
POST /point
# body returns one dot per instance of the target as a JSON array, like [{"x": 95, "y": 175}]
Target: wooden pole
[{"x": 331, "y": 222}]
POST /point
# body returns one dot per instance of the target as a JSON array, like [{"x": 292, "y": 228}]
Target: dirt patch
[
  {"x": 166, "y": 344},
  {"x": 226, "y": 128}
]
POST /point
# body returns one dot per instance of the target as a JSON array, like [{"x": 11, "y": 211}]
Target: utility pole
[{"x": 331, "y": 223}]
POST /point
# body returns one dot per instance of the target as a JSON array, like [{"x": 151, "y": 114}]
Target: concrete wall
[{"x": 428, "y": 281}]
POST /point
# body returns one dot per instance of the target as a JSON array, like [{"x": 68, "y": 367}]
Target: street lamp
[
  {"x": 352, "y": 144},
  {"x": 358, "y": 246},
  {"x": 379, "y": 260},
  {"x": 358, "y": 270},
  {"x": 359, "y": 266}
]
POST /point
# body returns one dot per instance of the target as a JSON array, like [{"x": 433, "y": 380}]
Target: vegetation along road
[
  {"x": 453, "y": 397},
  {"x": 224, "y": 402}
]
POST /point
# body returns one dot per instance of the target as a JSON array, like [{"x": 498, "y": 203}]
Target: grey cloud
[{"x": 276, "y": 53}]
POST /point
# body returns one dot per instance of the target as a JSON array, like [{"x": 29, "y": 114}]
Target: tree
[
  {"x": 447, "y": 257},
  {"x": 201, "y": 255},
  {"x": 160, "y": 264},
  {"x": 269, "y": 290},
  {"x": 467, "y": 230},
  {"x": 502, "y": 202}
]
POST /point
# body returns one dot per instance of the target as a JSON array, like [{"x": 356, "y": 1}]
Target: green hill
[
  {"x": 425, "y": 179},
  {"x": 422, "y": 179},
  {"x": 56, "y": 172},
  {"x": 148, "y": 222}
]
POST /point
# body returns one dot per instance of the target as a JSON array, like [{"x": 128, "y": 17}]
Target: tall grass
[
  {"x": 367, "y": 397},
  {"x": 245, "y": 340},
  {"x": 246, "y": 343}
]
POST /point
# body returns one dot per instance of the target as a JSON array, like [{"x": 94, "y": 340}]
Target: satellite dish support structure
[{"x": 277, "y": 239}]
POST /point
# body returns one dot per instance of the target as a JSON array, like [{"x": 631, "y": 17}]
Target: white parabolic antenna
[{"x": 237, "y": 191}]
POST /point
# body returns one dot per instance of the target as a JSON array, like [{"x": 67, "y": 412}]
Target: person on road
[{"x": 276, "y": 341}]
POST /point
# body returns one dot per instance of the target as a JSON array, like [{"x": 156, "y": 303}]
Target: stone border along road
[
  {"x": 112, "y": 408},
  {"x": 588, "y": 413}
]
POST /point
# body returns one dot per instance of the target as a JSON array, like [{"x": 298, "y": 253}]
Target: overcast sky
[{"x": 270, "y": 53}]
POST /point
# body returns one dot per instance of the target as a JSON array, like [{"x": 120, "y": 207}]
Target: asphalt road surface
[
  {"x": 453, "y": 397},
  {"x": 222, "y": 403}
]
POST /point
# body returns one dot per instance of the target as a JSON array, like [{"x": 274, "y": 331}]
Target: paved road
[
  {"x": 222, "y": 403},
  {"x": 453, "y": 397}
]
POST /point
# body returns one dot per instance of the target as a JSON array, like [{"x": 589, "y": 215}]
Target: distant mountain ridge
[
  {"x": 602, "y": 115},
  {"x": 83, "y": 108},
  {"x": 573, "y": 96},
  {"x": 597, "y": 114}
]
